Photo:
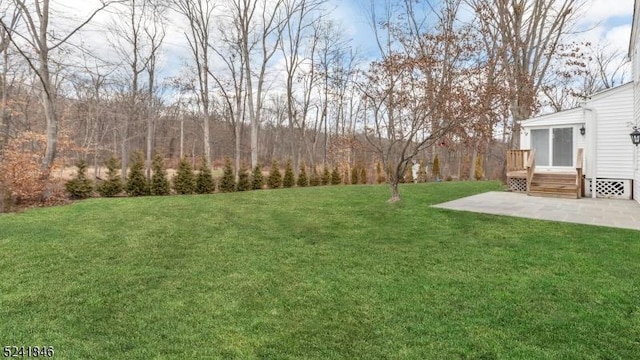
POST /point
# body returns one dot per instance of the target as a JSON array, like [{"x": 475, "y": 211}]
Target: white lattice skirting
[
  {"x": 517, "y": 184},
  {"x": 610, "y": 188}
]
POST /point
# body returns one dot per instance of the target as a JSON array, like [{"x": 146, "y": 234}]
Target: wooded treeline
[{"x": 257, "y": 80}]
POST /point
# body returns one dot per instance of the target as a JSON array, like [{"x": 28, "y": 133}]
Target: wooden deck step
[{"x": 554, "y": 185}]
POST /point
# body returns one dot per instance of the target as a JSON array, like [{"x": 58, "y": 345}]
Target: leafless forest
[{"x": 257, "y": 80}]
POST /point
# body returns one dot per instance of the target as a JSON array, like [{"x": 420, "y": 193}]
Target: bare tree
[
  {"x": 5, "y": 33},
  {"x": 259, "y": 24},
  {"x": 155, "y": 32},
  {"x": 231, "y": 83},
  {"x": 38, "y": 36},
  {"x": 137, "y": 40},
  {"x": 527, "y": 34},
  {"x": 199, "y": 14},
  {"x": 580, "y": 70},
  {"x": 301, "y": 16},
  {"x": 413, "y": 96}
]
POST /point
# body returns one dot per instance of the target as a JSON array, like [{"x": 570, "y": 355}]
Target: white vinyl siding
[
  {"x": 636, "y": 116},
  {"x": 614, "y": 149}
]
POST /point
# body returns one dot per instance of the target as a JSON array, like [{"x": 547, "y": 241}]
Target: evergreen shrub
[
  {"x": 363, "y": 175},
  {"x": 257, "y": 180},
  {"x": 244, "y": 182},
  {"x": 275, "y": 177},
  {"x": 204, "y": 180},
  {"x": 137, "y": 184},
  {"x": 228, "y": 180},
  {"x": 380, "y": 178},
  {"x": 159, "y": 181},
  {"x": 80, "y": 187},
  {"x": 326, "y": 176},
  {"x": 289, "y": 178},
  {"x": 184, "y": 182},
  {"x": 478, "y": 173},
  {"x": 336, "y": 179},
  {"x": 302, "y": 181},
  {"x": 113, "y": 185},
  {"x": 354, "y": 176},
  {"x": 435, "y": 168}
]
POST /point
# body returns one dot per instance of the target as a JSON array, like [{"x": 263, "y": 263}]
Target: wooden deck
[{"x": 523, "y": 177}]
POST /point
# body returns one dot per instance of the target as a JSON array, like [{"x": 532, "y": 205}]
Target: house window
[
  {"x": 540, "y": 143},
  {"x": 554, "y": 147},
  {"x": 562, "y": 147}
]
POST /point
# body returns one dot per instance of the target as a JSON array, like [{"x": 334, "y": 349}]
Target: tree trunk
[
  {"x": 472, "y": 166},
  {"x": 52, "y": 131},
  {"x": 124, "y": 159},
  {"x": 237, "y": 152},
  {"x": 395, "y": 192}
]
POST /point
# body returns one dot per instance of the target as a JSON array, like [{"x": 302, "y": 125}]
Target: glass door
[
  {"x": 554, "y": 147},
  {"x": 562, "y": 147},
  {"x": 540, "y": 143}
]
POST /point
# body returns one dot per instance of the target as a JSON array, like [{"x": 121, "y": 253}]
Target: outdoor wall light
[
  {"x": 582, "y": 130},
  {"x": 635, "y": 136}
]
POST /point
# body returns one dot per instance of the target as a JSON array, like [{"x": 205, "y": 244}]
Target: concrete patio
[{"x": 603, "y": 212}]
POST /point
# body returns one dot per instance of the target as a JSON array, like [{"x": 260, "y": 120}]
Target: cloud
[
  {"x": 596, "y": 11},
  {"x": 606, "y": 24}
]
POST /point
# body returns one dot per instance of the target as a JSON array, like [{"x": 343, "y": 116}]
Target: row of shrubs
[{"x": 188, "y": 181}]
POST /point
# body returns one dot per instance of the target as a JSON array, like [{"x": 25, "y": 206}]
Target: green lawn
[{"x": 315, "y": 273}]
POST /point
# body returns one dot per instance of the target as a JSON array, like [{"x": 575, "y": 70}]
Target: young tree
[
  {"x": 354, "y": 175},
  {"x": 289, "y": 179},
  {"x": 137, "y": 184},
  {"x": 478, "y": 173},
  {"x": 257, "y": 180},
  {"x": 380, "y": 178},
  {"x": 435, "y": 168},
  {"x": 228, "y": 181},
  {"x": 113, "y": 185},
  {"x": 80, "y": 187},
  {"x": 336, "y": 179},
  {"x": 363, "y": 175},
  {"x": 275, "y": 177},
  {"x": 184, "y": 181},
  {"x": 244, "y": 183},
  {"x": 326, "y": 176},
  {"x": 302, "y": 181},
  {"x": 415, "y": 94},
  {"x": 204, "y": 180},
  {"x": 159, "y": 181}
]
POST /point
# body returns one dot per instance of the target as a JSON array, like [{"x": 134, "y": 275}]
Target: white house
[
  {"x": 634, "y": 54},
  {"x": 601, "y": 127},
  {"x": 587, "y": 149}
]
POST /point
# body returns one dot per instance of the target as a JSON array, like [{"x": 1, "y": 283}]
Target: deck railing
[
  {"x": 579, "y": 161},
  {"x": 517, "y": 159},
  {"x": 531, "y": 168}
]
